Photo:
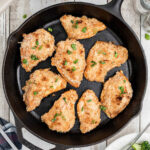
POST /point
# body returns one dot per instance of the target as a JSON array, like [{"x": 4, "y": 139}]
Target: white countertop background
[{"x": 11, "y": 18}]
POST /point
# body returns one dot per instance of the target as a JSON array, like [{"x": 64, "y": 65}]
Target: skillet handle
[
  {"x": 114, "y": 7},
  {"x": 29, "y": 145}
]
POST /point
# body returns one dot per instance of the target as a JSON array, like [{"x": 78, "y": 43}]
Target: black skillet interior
[{"x": 15, "y": 76}]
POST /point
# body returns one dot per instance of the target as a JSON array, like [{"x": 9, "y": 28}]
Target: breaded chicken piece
[
  {"x": 70, "y": 61},
  {"x": 36, "y": 47},
  {"x": 81, "y": 27},
  {"x": 88, "y": 109},
  {"x": 116, "y": 95},
  {"x": 103, "y": 57},
  {"x": 42, "y": 82},
  {"x": 61, "y": 117}
]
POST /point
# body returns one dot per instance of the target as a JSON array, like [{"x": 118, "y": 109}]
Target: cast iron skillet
[{"x": 14, "y": 76}]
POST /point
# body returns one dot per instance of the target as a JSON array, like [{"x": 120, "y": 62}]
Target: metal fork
[
  {"x": 138, "y": 136},
  {"x": 7, "y": 139}
]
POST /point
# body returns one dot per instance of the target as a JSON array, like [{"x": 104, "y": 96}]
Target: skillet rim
[{"x": 104, "y": 8}]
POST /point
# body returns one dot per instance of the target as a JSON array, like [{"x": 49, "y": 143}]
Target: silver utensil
[
  {"x": 138, "y": 136},
  {"x": 7, "y": 139}
]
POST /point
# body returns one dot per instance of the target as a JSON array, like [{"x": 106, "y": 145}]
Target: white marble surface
[{"x": 11, "y": 18}]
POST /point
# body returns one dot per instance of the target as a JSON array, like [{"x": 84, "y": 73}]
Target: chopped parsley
[
  {"x": 65, "y": 63},
  {"x": 73, "y": 46},
  {"x": 25, "y": 61},
  {"x": 82, "y": 108},
  {"x": 56, "y": 80},
  {"x": 56, "y": 115},
  {"x": 84, "y": 29},
  {"x": 40, "y": 47},
  {"x": 75, "y": 25},
  {"x": 37, "y": 42},
  {"x": 76, "y": 61},
  {"x": 93, "y": 121},
  {"x": 69, "y": 52},
  {"x": 35, "y": 92},
  {"x": 101, "y": 52},
  {"x": 102, "y": 62},
  {"x": 72, "y": 21},
  {"x": 116, "y": 54},
  {"x": 93, "y": 63},
  {"x": 103, "y": 108},
  {"x": 124, "y": 81},
  {"x": 50, "y": 29},
  {"x": 33, "y": 57},
  {"x": 147, "y": 36},
  {"x": 89, "y": 100},
  {"x": 121, "y": 88},
  {"x": 24, "y": 16},
  {"x": 51, "y": 86},
  {"x": 73, "y": 68},
  {"x": 64, "y": 98},
  {"x": 63, "y": 117},
  {"x": 34, "y": 47}
]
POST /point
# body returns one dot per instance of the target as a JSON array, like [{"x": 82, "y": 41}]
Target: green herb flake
[
  {"x": 69, "y": 52},
  {"x": 33, "y": 57},
  {"x": 73, "y": 46},
  {"x": 40, "y": 47},
  {"x": 34, "y": 47},
  {"x": 56, "y": 115},
  {"x": 82, "y": 108},
  {"x": 75, "y": 25},
  {"x": 56, "y": 80},
  {"x": 65, "y": 63},
  {"x": 101, "y": 52},
  {"x": 103, "y": 108},
  {"x": 76, "y": 61},
  {"x": 64, "y": 98},
  {"x": 116, "y": 54},
  {"x": 54, "y": 119},
  {"x": 63, "y": 117},
  {"x": 93, "y": 121},
  {"x": 73, "y": 68},
  {"x": 25, "y": 61},
  {"x": 89, "y": 100},
  {"x": 121, "y": 88},
  {"x": 37, "y": 42},
  {"x": 93, "y": 63},
  {"x": 50, "y": 29},
  {"x": 102, "y": 62},
  {"x": 35, "y": 92},
  {"x": 24, "y": 16},
  {"x": 51, "y": 86},
  {"x": 84, "y": 29},
  {"x": 124, "y": 81},
  {"x": 147, "y": 36},
  {"x": 72, "y": 21}
]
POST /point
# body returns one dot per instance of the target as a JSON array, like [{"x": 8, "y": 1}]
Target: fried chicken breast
[
  {"x": 36, "y": 47},
  {"x": 42, "y": 82},
  {"x": 103, "y": 57},
  {"x": 70, "y": 61},
  {"x": 81, "y": 27},
  {"x": 88, "y": 109},
  {"x": 61, "y": 117},
  {"x": 116, "y": 94}
]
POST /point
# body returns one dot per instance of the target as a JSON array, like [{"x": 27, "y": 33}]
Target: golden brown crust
[
  {"x": 61, "y": 117},
  {"x": 36, "y": 47},
  {"x": 81, "y": 27},
  {"x": 88, "y": 109},
  {"x": 116, "y": 94},
  {"x": 42, "y": 82},
  {"x": 70, "y": 62},
  {"x": 103, "y": 57}
]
